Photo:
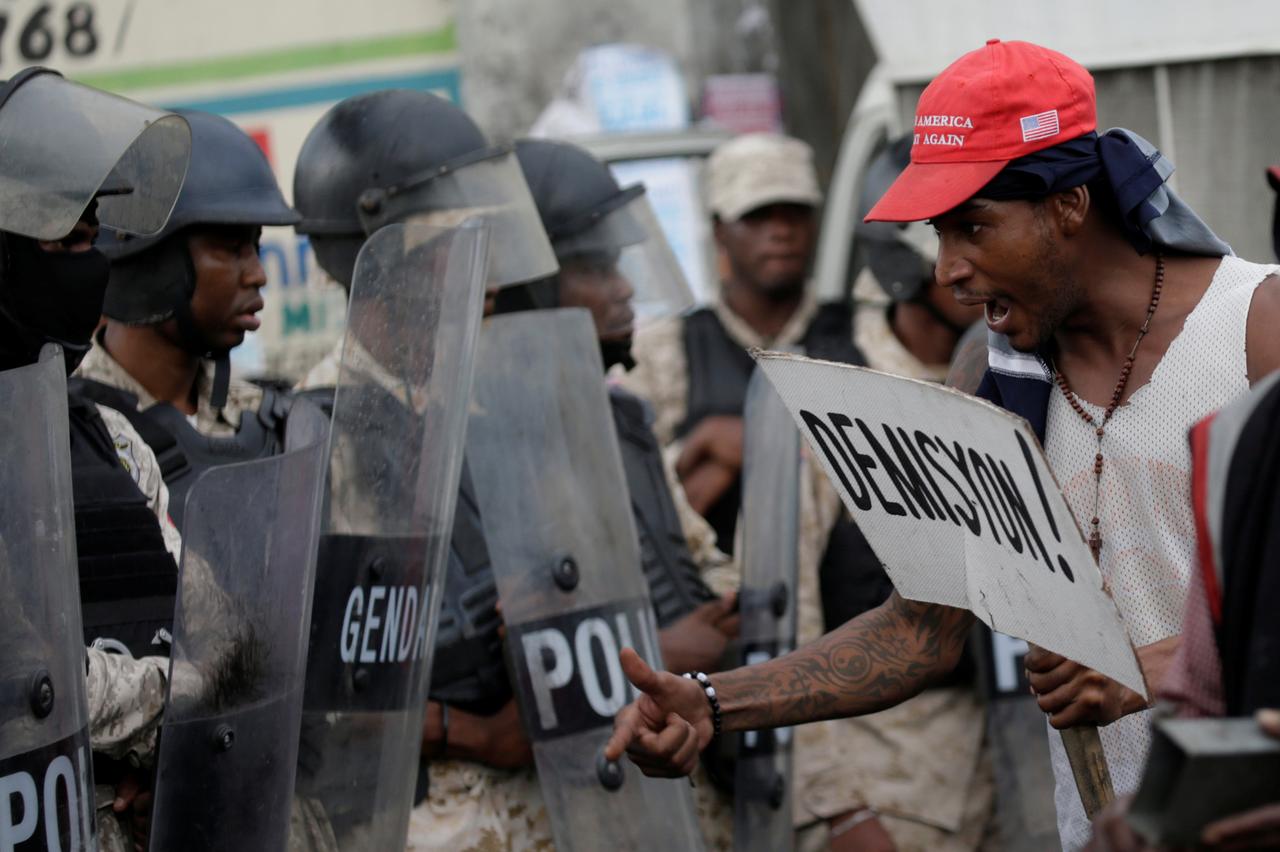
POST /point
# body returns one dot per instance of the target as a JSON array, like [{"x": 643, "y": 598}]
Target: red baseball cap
[{"x": 991, "y": 106}]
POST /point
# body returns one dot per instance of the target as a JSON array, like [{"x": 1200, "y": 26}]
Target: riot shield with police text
[
  {"x": 767, "y": 602},
  {"x": 228, "y": 747},
  {"x": 394, "y": 463},
  {"x": 46, "y": 773},
  {"x": 544, "y": 459}
]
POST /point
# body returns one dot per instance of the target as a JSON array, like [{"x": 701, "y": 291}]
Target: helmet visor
[
  {"x": 631, "y": 236},
  {"x": 63, "y": 143},
  {"x": 491, "y": 187}
]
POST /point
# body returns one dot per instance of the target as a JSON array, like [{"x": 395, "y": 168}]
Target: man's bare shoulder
[{"x": 1262, "y": 342}]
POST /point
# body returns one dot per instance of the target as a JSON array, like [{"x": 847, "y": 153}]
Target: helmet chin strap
[
  {"x": 195, "y": 341},
  {"x": 221, "y": 378}
]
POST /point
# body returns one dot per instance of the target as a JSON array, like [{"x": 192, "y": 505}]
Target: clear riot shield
[
  {"x": 46, "y": 772},
  {"x": 544, "y": 459},
  {"x": 767, "y": 602},
  {"x": 228, "y": 748},
  {"x": 395, "y": 458}
]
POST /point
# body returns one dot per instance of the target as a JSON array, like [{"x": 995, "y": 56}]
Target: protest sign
[{"x": 958, "y": 502}]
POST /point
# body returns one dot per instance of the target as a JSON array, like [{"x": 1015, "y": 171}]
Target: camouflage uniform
[
  {"x": 126, "y": 695},
  {"x": 921, "y": 766},
  {"x": 140, "y": 461},
  {"x": 477, "y": 808},
  {"x": 661, "y": 374},
  {"x": 326, "y": 372},
  {"x": 223, "y": 422}
]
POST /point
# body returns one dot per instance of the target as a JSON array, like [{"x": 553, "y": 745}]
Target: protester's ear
[{"x": 1069, "y": 208}]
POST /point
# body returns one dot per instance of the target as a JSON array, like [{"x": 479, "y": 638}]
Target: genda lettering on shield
[{"x": 383, "y": 624}]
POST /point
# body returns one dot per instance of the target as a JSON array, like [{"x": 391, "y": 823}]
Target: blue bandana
[{"x": 1154, "y": 217}]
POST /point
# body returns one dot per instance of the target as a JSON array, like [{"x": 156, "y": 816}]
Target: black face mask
[{"x": 50, "y": 297}]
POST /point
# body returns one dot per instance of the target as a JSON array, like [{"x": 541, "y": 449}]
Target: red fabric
[
  {"x": 1194, "y": 680},
  {"x": 1000, "y": 102},
  {"x": 1200, "y": 508}
]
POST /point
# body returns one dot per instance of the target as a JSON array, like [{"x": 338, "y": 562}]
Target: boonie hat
[
  {"x": 991, "y": 106},
  {"x": 757, "y": 169}
]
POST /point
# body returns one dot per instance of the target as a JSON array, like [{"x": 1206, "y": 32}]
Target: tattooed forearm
[{"x": 877, "y": 660}]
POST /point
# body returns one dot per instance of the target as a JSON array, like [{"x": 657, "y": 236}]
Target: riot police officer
[
  {"x": 380, "y": 181},
  {"x": 179, "y": 301},
  {"x": 73, "y": 156}
]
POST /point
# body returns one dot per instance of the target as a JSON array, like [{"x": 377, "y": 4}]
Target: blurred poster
[
  {"x": 617, "y": 88},
  {"x": 743, "y": 103}
]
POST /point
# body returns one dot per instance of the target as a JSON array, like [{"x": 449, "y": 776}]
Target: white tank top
[{"x": 1148, "y": 533}]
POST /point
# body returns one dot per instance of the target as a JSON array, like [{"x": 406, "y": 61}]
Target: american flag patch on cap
[{"x": 1042, "y": 125}]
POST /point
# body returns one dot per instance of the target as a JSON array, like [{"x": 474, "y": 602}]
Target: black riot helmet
[
  {"x": 229, "y": 182},
  {"x": 589, "y": 217},
  {"x": 900, "y": 255},
  {"x": 74, "y": 157},
  {"x": 384, "y": 157}
]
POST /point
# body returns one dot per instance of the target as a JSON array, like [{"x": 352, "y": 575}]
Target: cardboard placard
[{"x": 957, "y": 500}]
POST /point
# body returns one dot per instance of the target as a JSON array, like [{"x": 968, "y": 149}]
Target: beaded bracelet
[{"x": 710, "y": 691}]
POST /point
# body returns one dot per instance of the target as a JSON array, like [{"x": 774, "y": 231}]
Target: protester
[{"x": 1104, "y": 293}]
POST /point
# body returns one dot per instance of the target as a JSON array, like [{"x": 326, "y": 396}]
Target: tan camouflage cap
[{"x": 756, "y": 169}]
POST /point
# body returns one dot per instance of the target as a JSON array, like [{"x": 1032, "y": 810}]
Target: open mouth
[{"x": 997, "y": 311}]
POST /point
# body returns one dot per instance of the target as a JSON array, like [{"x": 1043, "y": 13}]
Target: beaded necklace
[{"x": 1095, "y": 533}]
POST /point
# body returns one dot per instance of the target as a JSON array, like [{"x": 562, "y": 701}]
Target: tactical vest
[
  {"x": 468, "y": 670},
  {"x": 719, "y": 369},
  {"x": 675, "y": 585},
  {"x": 128, "y": 581},
  {"x": 182, "y": 451}
]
